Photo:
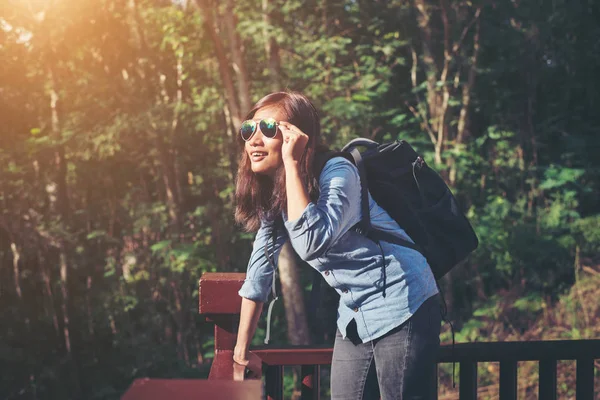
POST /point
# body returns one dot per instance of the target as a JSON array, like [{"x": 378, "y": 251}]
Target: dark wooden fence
[{"x": 220, "y": 303}]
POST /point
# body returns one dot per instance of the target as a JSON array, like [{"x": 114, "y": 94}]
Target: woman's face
[{"x": 265, "y": 153}]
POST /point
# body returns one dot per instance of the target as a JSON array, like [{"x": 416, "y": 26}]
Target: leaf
[
  {"x": 557, "y": 176},
  {"x": 361, "y": 98},
  {"x": 399, "y": 119},
  {"x": 157, "y": 247},
  {"x": 96, "y": 234}
]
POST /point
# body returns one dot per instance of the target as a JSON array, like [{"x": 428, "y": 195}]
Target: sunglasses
[{"x": 268, "y": 127}]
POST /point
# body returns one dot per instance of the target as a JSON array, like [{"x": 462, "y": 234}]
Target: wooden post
[
  {"x": 220, "y": 303},
  {"x": 311, "y": 382},
  {"x": 547, "y": 385},
  {"x": 468, "y": 380},
  {"x": 585, "y": 379},
  {"x": 508, "y": 380},
  {"x": 274, "y": 382}
]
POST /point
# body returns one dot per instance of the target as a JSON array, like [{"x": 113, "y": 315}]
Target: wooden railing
[{"x": 220, "y": 303}]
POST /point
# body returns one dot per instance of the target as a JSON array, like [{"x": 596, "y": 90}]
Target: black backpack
[{"x": 414, "y": 195}]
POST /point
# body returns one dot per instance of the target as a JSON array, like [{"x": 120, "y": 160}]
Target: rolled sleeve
[
  {"x": 305, "y": 222},
  {"x": 338, "y": 208},
  {"x": 259, "y": 275},
  {"x": 256, "y": 289}
]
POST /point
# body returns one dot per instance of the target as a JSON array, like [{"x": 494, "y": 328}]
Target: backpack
[{"x": 414, "y": 195}]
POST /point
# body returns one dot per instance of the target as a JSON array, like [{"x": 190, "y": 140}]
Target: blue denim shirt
[{"x": 348, "y": 261}]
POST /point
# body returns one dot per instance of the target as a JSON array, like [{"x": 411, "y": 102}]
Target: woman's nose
[{"x": 257, "y": 138}]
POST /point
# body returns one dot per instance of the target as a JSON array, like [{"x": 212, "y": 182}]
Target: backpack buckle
[
  {"x": 419, "y": 162},
  {"x": 360, "y": 230}
]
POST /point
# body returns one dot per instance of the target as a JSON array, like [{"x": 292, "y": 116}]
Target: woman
[{"x": 387, "y": 337}]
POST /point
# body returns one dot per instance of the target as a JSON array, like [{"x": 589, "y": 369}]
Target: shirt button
[
  {"x": 355, "y": 309},
  {"x": 326, "y": 273},
  {"x": 344, "y": 290}
]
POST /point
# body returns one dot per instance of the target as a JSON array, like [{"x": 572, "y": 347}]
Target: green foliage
[
  {"x": 587, "y": 233},
  {"x": 555, "y": 177}
]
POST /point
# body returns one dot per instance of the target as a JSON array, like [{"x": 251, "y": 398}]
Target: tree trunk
[
  {"x": 463, "y": 119},
  {"x": 175, "y": 125},
  {"x": 224, "y": 67},
  {"x": 88, "y": 306},
  {"x": 237, "y": 55},
  {"x": 221, "y": 246},
  {"x": 139, "y": 39},
  {"x": 163, "y": 146},
  {"x": 293, "y": 301},
  {"x": 441, "y": 112},
  {"x": 434, "y": 100},
  {"x": 168, "y": 178},
  {"x": 462, "y": 128},
  {"x": 231, "y": 146},
  {"x": 59, "y": 197},
  {"x": 424, "y": 24},
  {"x": 49, "y": 294},
  {"x": 59, "y": 205},
  {"x": 17, "y": 280},
  {"x": 293, "y": 298},
  {"x": 271, "y": 49},
  {"x": 181, "y": 323},
  {"x": 16, "y": 271},
  {"x": 65, "y": 295}
]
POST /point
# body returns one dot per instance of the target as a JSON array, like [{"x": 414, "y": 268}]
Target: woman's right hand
[
  {"x": 240, "y": 355},
  {"x": 242, "y": 358},
  {"x": 245, "y": 364}
]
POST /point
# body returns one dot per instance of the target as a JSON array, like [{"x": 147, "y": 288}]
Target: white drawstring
[
  {"x": 273, "y": 287},
  {"x": 268, "y": 334}
]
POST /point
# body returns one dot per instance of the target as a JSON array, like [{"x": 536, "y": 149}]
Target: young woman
[{"x": 387, "y": 337}]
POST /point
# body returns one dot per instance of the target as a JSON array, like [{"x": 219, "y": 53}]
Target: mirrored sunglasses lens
[
  {"x": 247, "y": 129},
  {"x": 268, "y": 127}
]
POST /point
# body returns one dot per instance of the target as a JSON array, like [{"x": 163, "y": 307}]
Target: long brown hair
[{"x": 260, "y": 197}]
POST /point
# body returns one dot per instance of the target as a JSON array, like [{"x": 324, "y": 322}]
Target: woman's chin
[
  {"x": 261, "y": 170},
  {"x": 258, "y": 170}
]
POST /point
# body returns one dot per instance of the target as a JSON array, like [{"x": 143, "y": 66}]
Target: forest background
[{"x": 118, "y": 156}]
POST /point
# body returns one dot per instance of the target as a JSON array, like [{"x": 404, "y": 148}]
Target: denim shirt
[{"x": 349, "y": 262}]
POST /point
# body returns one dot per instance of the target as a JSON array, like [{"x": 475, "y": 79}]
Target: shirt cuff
[
  {"x": 254, "y": 290},
  {"x": 306, "y": 220}
]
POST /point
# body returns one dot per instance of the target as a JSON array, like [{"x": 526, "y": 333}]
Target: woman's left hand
[{"x": 294, "y": 143}]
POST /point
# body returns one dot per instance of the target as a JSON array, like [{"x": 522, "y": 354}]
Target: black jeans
[{"x": 398, "y": 365}]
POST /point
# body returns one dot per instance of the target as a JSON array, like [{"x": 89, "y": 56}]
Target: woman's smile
[{"x": 257, "y": 156}]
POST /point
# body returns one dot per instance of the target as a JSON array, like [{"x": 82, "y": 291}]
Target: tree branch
[{"x": 458, "y": 44}]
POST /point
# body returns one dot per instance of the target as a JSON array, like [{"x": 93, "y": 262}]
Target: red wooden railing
[{"x": 220, "y": 303}]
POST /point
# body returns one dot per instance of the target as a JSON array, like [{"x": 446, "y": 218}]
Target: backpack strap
[
  {"x": 321, "y": 159},
  {"x": 365, "y": 226},
  {"x": 365, "y": 222}
]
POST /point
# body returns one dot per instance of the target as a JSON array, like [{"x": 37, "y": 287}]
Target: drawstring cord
[
  {"x": 268, "y": 333},
  {"x": 273, "y": 286}
]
